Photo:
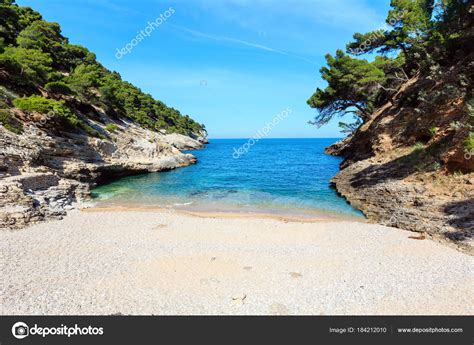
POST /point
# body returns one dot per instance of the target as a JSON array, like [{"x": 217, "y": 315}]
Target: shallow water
[{"x": 288, "y": 176}]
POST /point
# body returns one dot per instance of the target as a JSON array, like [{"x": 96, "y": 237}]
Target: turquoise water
[{"x": 275, "y": 175}]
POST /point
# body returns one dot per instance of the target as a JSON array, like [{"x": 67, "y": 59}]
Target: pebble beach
[{"x": 168, "y": 263}]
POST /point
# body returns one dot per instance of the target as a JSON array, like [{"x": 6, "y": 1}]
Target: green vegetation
[
  {"x": 9, "y": 122},
  {"x": 350, "y": 83},
  {"x": 418, "y": 147},
  {"x": 433, "y": 131},
  {"x": 436, "y": 166},
  {"x": 58, "y": 87},
  {"x": 469, "y": 143},
  {"x": 41, "y": 105},
  {"x": 111, "y": 127},
  {"x": 56, "y": 110},
  {"x": 421, "y": 37},
  {"x": 29, "y": 66},
  {"x": 35, "y": 55},
  {"x": 470, "y": 108}
]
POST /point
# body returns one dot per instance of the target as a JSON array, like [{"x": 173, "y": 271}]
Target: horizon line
[{"x": 248, "y": 138}]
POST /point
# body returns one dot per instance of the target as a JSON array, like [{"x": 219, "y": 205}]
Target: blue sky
[{"x": 230, "y": 64}]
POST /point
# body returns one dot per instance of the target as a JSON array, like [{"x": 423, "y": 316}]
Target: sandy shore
[{"x": 162, "y": 262}]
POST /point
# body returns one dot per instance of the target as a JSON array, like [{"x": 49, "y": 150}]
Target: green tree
[
  {"x": 43, "y": 36},
  {"x": 75, "y": 55},
  {"x": 84, "y": 78},
  {"x": 352, "y": 86},
  {"x": 32, "y": 63},
  {"x": 408, "y": 24},
  {"x": 58, "y": 87},
  {"x": 34, "y": 53},
  {"x": 14, "y": 18}
]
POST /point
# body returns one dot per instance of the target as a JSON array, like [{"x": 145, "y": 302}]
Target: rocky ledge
[
  {"x": 43, "y": 174},
  {"x": 408, "y": 168},
  {"x": 414, "y": 205}
]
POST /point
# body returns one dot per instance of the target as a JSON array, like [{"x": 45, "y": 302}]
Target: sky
[{"x": 233, "y": 65}]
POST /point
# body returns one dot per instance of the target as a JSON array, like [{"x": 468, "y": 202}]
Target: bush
[
  {"x": 111, "y": 127},
  {"x": 14, "y": 68},
  {"x": 57, "y": 108},
  {"x": 470, "y": 107},
  {"x": 10, "y": 122},
  {"x": 32, "y": 64},
  {"x": 433, "y": 131},
  {"x": 41, "y": 105},
  {"x": 58, "y": 87},
  {"x": 469, "y": 143},
  {"x": 418, "y": 147}
]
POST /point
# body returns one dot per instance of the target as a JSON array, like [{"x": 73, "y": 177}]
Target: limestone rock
[{"x": 43, "y": 174}]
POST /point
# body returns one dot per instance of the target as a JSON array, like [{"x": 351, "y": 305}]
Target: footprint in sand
[{"x": 279, "y": 309}]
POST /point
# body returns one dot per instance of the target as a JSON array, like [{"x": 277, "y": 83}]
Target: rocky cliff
[
  {"x": 408, "y": 167},
  {"x": 46, "y": 171},
  {"x": 67, "y": 122}
]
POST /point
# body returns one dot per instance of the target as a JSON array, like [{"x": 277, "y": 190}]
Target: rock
[
  {"x": 391, "y": 163},
  {"x": 21, "y": 205},
  {"x": 182, "y": 142},
  {"x": 46, "y": 175},
  {"x": 400, "y": 204}
]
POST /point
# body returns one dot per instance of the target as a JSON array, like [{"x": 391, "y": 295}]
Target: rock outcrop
[
  {"x": 408, "y": 168},
  {"x": 67, "y": 122},
  {"x": 415, "y": 205},
  {"x": 182, "y": 142},
  {"x": 44, "y": 172}
]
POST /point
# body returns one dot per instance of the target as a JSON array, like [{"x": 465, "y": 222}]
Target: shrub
[
  {"x": 470, "y": 107},
  {"x": 43, "y": 105},
  {"x": 433, "y": 131},
  {"x": 40, "y": 104},
  {"x": 418, "y": 147},
  {"x": 32, "y": 64},
  {"x": 10, "y": 122},
  {"x": 58, "y": 87},
  {"x": 111, "y": 127},
  {"x": 469, "y": 142},
  {"x": 436, "y": 166}
]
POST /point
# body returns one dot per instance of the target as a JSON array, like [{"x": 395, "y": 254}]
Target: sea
[{"x": 272, "y": 176}]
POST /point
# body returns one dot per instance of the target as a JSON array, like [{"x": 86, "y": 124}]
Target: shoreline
[
  {"x": 299, "y": 217},
  {"x": 286, "y": 218},
  {"x": 104, "y": 262}
]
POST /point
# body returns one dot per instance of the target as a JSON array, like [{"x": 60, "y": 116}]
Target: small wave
[{"x": 183, "y": 204}]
